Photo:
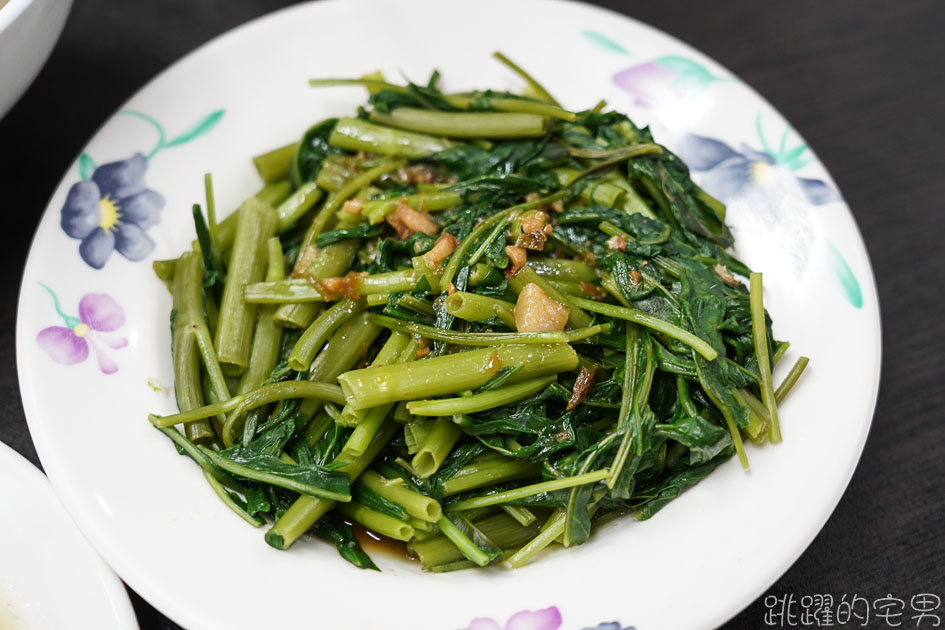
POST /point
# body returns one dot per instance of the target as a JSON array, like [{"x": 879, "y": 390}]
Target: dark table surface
[{"x": 861, "y": 80}]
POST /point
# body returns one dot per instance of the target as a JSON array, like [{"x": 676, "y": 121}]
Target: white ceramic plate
[
  {"x": 29, "y": 30},
  {"x": 150, "y": 513},
  {"x": 49, "y": 574}
]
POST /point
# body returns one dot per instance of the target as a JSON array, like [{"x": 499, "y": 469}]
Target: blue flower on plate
[
  {"x": 760, "y": 187},
  {"x": 729, "y": 172},
  {"x": 763, "y": 189},
  {"x": 112, "y": 210}
]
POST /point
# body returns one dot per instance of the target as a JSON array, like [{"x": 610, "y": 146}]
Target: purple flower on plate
[
  {"x": 112, "y": 210},
  {"x": 545, "y": 619},
  {"x": 610, "y": 625},
  {"x": 99, "y": 315},
  {"x": 666, "y": 80}
]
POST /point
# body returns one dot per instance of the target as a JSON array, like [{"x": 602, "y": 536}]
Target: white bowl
[{"x": 28, "y": 31}]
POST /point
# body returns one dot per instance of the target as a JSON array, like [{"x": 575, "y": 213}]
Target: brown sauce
[{"x": 376, "y": 545}]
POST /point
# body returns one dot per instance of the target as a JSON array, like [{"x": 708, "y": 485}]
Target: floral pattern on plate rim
[
  {"x": 729, "y": 174},
  {"x": 100, "y": 316},
  {"x": 544, "y": 619},
  {"x": 110, "y": 209}
]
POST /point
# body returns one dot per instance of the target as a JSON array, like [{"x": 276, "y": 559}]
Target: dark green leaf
[
  {"x": 256, "y": 500},
  {"x": 704, "y": 439},
  {"x": 364, "y": 230},
  {"x": 214, "y": 275},
  {"x": 651, "y": 500},
  {"x": 501, "y": 377},
  {"x": 314, "y": 476},
  {"x": 371, "y": 499},
  {"x": 313, "y": 149},
  {"x": 461, "y": 455},
  {"x": 342, "y": 534}
]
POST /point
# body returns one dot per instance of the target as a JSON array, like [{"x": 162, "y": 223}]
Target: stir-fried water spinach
[{"x": 476, "y": 323}]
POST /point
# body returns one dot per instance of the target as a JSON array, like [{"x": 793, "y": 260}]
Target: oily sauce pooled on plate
[{"x": 374, "y": 543}]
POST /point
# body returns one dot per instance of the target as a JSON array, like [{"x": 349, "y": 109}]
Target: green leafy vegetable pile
[{"x": 477, "y": 323}]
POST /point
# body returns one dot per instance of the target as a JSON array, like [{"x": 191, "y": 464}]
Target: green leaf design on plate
[
  {"x": 86, "y": 166},
  {"x": 794, "y": 154},
  {"x": 844, "y": 276},
  {"x": 689, "y": 72},
  {"x": 604, "y": 43},
  {"x": 202, "y": 127},
  {"x": 791, "y": 159},
  {"x": 70, "y": 321}
]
